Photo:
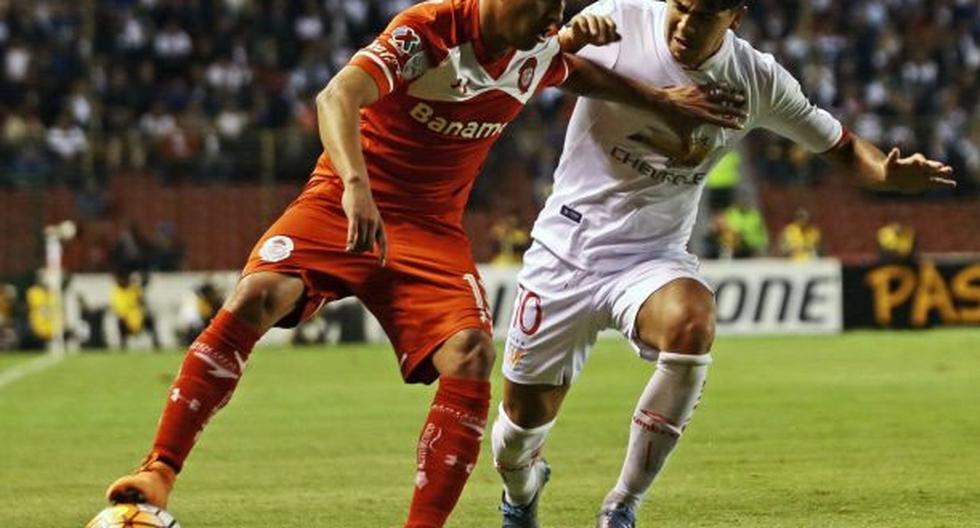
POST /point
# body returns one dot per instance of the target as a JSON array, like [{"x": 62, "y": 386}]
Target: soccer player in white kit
[{"x": 610, "y": 246}]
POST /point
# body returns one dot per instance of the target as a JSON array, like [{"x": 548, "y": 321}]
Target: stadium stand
[{"x": 176, "y": 112}]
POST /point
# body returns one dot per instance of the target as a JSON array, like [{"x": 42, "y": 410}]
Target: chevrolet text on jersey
[
  {"x": 425, "y": 115},
  {"x": 647, "y": 166}
]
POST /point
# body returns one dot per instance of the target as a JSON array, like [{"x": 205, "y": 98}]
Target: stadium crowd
[
  {"x": 185, "y": 88},
  {"x": 210, "y": 91}
]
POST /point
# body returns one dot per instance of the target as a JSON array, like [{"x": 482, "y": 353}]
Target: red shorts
[{"x": 428, "y": 291}]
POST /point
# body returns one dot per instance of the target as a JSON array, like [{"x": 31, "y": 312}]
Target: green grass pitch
[{"x": 860, "y": 430}]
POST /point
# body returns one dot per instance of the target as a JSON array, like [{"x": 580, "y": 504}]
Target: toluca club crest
[{"x": 527, "y": 74}]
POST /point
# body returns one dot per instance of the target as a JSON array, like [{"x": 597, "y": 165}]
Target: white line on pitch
[{"x": 33, "y": 366}]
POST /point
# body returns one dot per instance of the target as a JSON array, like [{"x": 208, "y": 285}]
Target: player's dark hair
[{"x": 722, "y": 5}]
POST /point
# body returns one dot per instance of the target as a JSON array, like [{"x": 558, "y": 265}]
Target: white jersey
[{"x": 617, "y": 201}]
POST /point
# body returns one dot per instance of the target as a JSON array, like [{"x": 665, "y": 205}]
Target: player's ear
[{"x": 739, "y": 16}]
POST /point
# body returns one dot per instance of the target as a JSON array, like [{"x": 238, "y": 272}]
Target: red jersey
[{"x": 444, "y": 104}]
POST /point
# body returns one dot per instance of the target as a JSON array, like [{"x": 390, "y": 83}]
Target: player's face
[
  {"x": 696, "y": 30},
  {"x": 530, "y": 22}
]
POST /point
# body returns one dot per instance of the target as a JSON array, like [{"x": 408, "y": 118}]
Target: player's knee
[
  {"x": 518, "y": 412},
  {"x": 468, "y": 354},
  {"x": 249, "y": 296},
  {"x": 263, "y": 300},
  {"x": 690, "y": 329},
  {"x": 527, "y": 413}
]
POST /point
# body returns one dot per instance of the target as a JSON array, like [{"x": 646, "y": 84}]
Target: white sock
[
  {"x": 515, "y": 450},
  {"x": 662, "y": 412}
]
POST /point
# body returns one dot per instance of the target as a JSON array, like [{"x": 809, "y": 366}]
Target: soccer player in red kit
[{"x": 405, "y": 128}]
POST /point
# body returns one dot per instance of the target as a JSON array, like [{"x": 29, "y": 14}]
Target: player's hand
[
  {"x": 916, "y": 173},
  {"x": 715, "y": 104},
  {"x": 585, "y": 29},
  {"x": 365, "y": 230}
]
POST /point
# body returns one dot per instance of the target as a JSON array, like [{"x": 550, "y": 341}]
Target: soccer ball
[{"x": 133, "y": 516}]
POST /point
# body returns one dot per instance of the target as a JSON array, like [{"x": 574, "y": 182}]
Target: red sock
[
  {"x": 207, "y": 378},
  {"x": 448, "y": 449}
]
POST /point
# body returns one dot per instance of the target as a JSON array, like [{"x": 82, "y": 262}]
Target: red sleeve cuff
[
  {"x": 845, "y": 136},
  {"x": 377, "y": 69},
  {"x": 558, "y": 72}
]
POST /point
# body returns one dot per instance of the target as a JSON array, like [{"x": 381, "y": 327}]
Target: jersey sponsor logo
[
  {"x": 221, "y": 365},
  {"x": 426, "y": 115},
  {"x": 656, "y": 423},
  {"x": 644, "y": 166},
  {"x": 571, "y": 214},
  {"x": 276, "y": 249},
  {"x": 405, "y": 40},
  {"x": 412, "y": 67},
  {"x": 526, "y": 76},
  {"x": 175, "y": 396},
  {"x": 386, "y": 56}
]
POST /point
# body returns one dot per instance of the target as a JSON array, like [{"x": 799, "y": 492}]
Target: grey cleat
[
  {"x": 617, "y": 516},
  {"x": 524, "y": 515}
]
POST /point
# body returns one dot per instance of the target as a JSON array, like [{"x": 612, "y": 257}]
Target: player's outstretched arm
[
  {"x": 871, "y": 168},
  {"x": 679, "y": 105},
  {"x": 338, "y": 108}
]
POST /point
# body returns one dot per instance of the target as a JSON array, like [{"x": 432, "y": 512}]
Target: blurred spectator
[
  {"x": 133, "y": 251},
  {"x": 21, "y": 126},
  {"x": 510, "y": 241},
  {"x": 722, "y": 241},
  {"x": 341, "y": 322},
  {"x": 17, "y": 62},
  {"x": 896, "y": 243},
  {"x": 42, "y": 316},
  {"x": 130, "y": 252},
  {"x": 166, "y": 253},
  {"x": 158, "y": 123},
  {"x": 182, "y": 147},
  {"x": 782, "y": 161},
  {"x": 8, "y": 328},
  {"x": 129, "y": 307},
  {"x": 90, "y": 332},
  {"x": 197, "y": 311},
  {"x": 91, "y": 201},
  {"x": 745, "y": 230},
  {"x": 800, "y": 240},
  {"x": 723, "y": 180},
  {"x": 66, "y": 140}
]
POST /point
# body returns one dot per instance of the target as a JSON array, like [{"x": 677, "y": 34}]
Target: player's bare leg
[
  {"x": 206, "y": 381},
  {"x": 450, "y": 440},
  {"x": 677, "y": 320},
  {"x": 523, "y": 422}
]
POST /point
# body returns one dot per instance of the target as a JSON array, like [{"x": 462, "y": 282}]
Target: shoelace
[
  {"x": 620, "y": 517},
  {"x": 514, "y": 510}
]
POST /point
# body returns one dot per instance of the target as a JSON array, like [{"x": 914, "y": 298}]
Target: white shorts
[{"x": 560, "y": 310}]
